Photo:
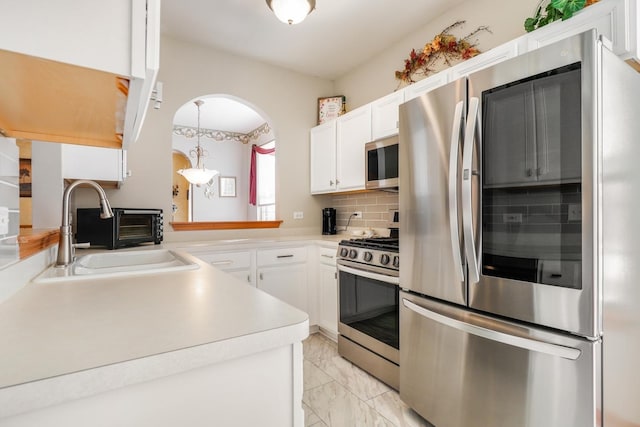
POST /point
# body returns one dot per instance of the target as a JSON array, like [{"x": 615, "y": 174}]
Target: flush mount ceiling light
[
  {"x": 198, "y": 175},
  {"x": 291, "y": 11}
]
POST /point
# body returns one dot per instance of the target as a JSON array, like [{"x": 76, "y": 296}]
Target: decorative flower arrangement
[{"x": 445, "y": 47}]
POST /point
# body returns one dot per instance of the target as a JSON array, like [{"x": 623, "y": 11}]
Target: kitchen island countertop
[{"x": 67, "y": 340}]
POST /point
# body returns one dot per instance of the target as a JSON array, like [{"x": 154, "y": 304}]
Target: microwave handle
[
  {"x": 453, "y": 190},
  {"x": 470, "y": 136}
]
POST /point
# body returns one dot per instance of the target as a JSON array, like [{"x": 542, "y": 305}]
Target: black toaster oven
[{"x": 127, "y": 227}]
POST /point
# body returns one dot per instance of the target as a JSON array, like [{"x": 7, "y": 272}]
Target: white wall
[
  {"x": 288, "y": 100},
  {"x": 376, "y": 77}
]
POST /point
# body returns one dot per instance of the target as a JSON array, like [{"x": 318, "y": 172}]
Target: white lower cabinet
[
  {"x": 328, "y": 292},
  {"x": 282, "y": 272},
  {"x": 240, "y": 264},
  {"x": 307, "y": 282}
]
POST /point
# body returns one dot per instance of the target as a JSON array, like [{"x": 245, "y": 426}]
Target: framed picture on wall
[
  {"x": 330, "y": 108},
  {"x": 227, "y": 186},
  {"x": 25, "y": 178}
]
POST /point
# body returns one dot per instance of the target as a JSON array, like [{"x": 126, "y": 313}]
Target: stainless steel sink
[{"x": 114, "y": 264}]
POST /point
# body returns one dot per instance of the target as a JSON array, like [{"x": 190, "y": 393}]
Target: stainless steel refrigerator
[{"x": 520, "y": 276}]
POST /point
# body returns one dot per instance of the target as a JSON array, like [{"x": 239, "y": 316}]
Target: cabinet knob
[
  {"x": 261, "y": 278},
  {"x": 331, "y": 182},
  {"x": 337, "y": 182},
  {"x": 249, "y": 278}
]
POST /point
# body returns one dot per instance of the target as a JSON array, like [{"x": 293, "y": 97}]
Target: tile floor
[{"x": 339, "y": 394}]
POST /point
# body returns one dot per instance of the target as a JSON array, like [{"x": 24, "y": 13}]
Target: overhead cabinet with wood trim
[{"x": 81, "y": 71}]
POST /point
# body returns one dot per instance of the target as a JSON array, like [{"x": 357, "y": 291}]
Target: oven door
[{"x": 368, "y": 308}]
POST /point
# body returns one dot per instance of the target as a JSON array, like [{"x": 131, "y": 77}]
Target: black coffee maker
[{"x": 329, "y": 221}]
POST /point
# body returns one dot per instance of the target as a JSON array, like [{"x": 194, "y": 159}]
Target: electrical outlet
[
  {"x": 298, "y": 215},
  {"x": 357, "y": 214}
]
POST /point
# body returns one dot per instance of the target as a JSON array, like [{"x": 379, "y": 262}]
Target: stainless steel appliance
[
  {"x": 329, "y": 221},
  {"x": 518, "y": 296},
  {"x": 368, "y": 324},
  {"x": 127, "y": 227},
  {"x": 381, "y": 163}
]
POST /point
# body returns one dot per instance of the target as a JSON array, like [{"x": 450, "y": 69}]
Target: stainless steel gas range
[{"x": 368, "y": 327}]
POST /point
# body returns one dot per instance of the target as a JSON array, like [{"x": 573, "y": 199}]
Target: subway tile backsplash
[{"x": 374, "y": 205}]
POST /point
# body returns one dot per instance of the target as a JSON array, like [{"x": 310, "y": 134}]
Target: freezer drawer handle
[{"x": 512, "y": 340}]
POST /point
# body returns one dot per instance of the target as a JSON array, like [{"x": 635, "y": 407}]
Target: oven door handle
[{"x": 369, "y": 275}]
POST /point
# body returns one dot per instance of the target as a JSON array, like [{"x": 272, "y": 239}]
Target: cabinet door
[
  {"x": 285, "y": 282},
  {"x": 384, "y": 115},
  {"x": 328, "y": 293},
  {"x": 611, "y": 18},
  {"x": 487, "y": 59},
  {"x": 101, "y": 164},
  {"x": 353, "y": 132},
  {"x": 558, "y": 127},
  {"x": 425, "y": 85},
  {"x": 244, "y": 275},
  {"x": 323, "y": 157},
  {"x": 509, "y": 145}
]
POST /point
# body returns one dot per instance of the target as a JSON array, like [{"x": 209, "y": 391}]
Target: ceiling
[{"x": 334, "y": 39}]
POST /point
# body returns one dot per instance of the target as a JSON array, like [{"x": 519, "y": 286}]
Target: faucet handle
[{"x": 85, "y": 245}]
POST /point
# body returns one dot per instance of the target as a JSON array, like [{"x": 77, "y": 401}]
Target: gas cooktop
[{"x": 373, "y": 251}]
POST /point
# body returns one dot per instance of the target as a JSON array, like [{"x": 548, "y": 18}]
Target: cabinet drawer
[
  {"x": 226, "y": 260},
  {"x": 328, "y": 255},
  {"x": 281, "y": 256}
]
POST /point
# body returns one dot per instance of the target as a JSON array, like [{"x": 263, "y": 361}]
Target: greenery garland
[{"x": 555, "y": 9}]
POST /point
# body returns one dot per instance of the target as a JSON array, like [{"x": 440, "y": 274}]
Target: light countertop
[{"x": 71, "y": 339}]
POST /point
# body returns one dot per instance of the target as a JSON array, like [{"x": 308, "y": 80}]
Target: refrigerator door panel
[
  {"x": 430, "y": 191},
  {"x": 538, "y": 151},
  {"x": 463, "y": 369}
]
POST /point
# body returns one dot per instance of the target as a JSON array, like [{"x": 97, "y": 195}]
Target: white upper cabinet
[
  {"x": 58, "y": 58},
  {"x": 613, "y": 19},
  {"x": 323, "y": 157},
  {"x": 384, "y": 115},
  {"x": 425, "y": 85},
  {"x": 486, "y": 59},
  {"x": 98, "y": 164},
  {"x": 353, "y": 131}
]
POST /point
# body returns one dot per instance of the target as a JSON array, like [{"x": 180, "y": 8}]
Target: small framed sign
[
  {"x": 330, "y": 108},
  {"x": 227, "y": 186}
]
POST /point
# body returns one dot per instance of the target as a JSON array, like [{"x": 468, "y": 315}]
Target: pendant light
[
  {"x": 291, "y": 11},
  {"x": 198, "y": 175}
]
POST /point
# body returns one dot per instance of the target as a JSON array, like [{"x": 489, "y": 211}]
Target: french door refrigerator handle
[
  {"x": 493, "y": 335},
  {"x": 467, "y": 206},
  {"x": 453, "y": 190}
]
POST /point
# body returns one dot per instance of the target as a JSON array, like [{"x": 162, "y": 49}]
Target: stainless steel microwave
[
  {"x": 381, "y": 163},
  {"x": 127, "y": 227}
]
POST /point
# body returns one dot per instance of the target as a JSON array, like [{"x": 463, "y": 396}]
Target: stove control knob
[
  {"x": 396, "y": 261},
  {"x": 344, "y": 252},
  {"x": 368, "y": 256},
  {"x": 353, "y": 254},
  {"x": 384, "y": 259}
]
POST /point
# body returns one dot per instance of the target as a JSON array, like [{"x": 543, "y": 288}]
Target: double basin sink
[{"x": 114, "y": 264}]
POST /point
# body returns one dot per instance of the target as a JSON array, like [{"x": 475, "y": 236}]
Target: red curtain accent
[{"x": 253, "y": 184}]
